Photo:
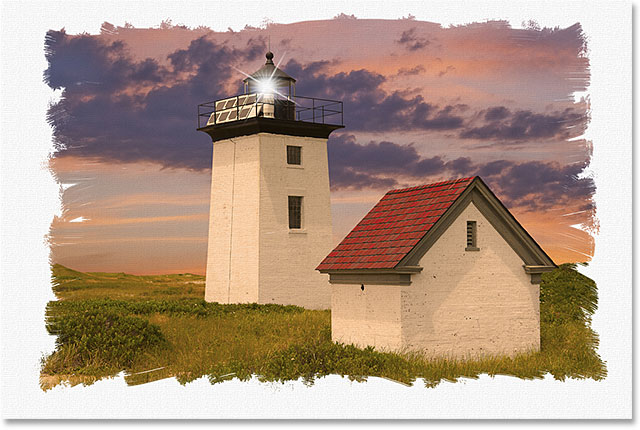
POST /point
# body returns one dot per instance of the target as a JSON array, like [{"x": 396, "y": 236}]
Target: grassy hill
[
  {"x": 155, "y": 327},
  {"x": 70, "y": 284}
]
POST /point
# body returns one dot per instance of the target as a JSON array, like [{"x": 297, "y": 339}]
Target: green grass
[
  {"x": 73, "y": 285},
  {"x": 107, "y": 323},
  {"x": 95, "y": 341}
]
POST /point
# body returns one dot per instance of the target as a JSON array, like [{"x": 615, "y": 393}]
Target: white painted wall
[
  {"x": 252, "y": 254},
  {"x": 369, "y": 317},
  {"x": 463, "y": 303},
  {"x": 468, "y": 303},
  {"x": 288, "y": 258},
  {"x": 232, "y": 257}
]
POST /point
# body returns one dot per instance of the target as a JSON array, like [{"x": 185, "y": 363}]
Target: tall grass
[
  {"x": 93, "y": 341},
  {"x": 188, "y": 338},
  {"x": 70, "y": 284}
]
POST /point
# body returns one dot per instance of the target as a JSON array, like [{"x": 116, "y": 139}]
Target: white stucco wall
[
  {"x": 232, "y": 257},
  {"x": 463, "y": 303},
  {"x": 288, "y": 258},
  {"x": 252, "y": 254},
  {"x": 469, "y": 303},
  {"x": 369, "y": 317}
]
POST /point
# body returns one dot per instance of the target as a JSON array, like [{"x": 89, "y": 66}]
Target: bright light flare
[{"x": 266, "y": 86}]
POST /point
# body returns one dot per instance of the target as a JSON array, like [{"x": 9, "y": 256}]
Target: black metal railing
[{"x": 246, "y": 106}]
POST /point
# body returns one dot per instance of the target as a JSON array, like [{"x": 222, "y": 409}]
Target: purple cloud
[
  {"x": 502, "y": 124},
  {"x": 367, "y": 107},
  {"x": 417, "y": 70},
  {"x": 96, "y": 117},
  {"x": 104, "y": 112},
  {"x": 119, "y": 109},
  {"x": 384, "y": 165},
  {"x": 411, "y": 41}
]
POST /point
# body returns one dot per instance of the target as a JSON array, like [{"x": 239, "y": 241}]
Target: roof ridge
[
  {"x": 398, "y": 223},
  {"x": 434, "y": 184},
  {"x": 394, "y": 226}
]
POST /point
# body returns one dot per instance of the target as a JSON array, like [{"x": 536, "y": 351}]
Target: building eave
[
  {"x": 399, "y": 269},
  {"x": 392, "y": 276},
  {"x": 257, "y": 125},
  {"x": 536, "y": 272},
  {"x": 538, "y": 269}
]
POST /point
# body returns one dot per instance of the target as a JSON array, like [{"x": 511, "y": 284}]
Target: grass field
[{"x": 154, "y": 327}]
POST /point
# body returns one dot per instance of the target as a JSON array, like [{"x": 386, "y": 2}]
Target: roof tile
[{"x": 394, "y": 226}]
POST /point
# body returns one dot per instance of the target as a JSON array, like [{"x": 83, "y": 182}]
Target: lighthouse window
[
  {"x": 294, "y": 155},
  {"x": 295, "y": 212}
]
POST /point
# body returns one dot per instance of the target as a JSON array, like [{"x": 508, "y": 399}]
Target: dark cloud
[
  {"x": 367, "y": 107},
  {"x": 493, "y": 168},
  {"x": 119, "y": 109},
  {"x": 368, "y": 163},
  {"x": 379, "y": 157},
  {"x": 107, "y": 110},
  {"x": 499, "y": 123},
  {"x": 539, "y": 185},
  {"x": 496, "y": 113},
  {"x": 535, "y": 185},
  {"x": 374, "y": 162},
  {"x": 411, "y": 41},
  {"x": 381, "y": 163},
  {"x": 345, "y": 177},
  {"x": 461, "y": 166},
  {"x": 445, "y": 71},
  {"x": 412, "y": 71}
]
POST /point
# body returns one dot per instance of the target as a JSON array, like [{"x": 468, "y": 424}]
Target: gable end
[
  {"x": 535, "y": 260},
  {"x": 353, "y": 263}
]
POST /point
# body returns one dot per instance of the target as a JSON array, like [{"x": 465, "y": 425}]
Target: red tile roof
[{"x": 394, "y": 226}]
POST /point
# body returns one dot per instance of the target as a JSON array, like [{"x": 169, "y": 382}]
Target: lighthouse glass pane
[
  {"x": 294, "y": 155},
  {"x": 295, "y": 212}
]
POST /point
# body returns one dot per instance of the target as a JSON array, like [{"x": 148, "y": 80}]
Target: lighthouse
[{"x": 270, "y": 213}]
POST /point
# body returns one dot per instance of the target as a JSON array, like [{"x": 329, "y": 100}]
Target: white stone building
[
  {"x": 441, "y": 268},
  {"x": 270, "y": 214}
]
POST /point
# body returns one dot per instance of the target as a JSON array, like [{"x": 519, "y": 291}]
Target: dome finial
[{"x": 269, "y": 57}]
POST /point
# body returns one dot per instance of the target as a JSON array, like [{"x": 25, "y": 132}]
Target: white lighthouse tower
[{"x": 270, "y": 214}]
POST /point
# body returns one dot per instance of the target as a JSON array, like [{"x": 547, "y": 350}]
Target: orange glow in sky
[{"x": 136, "y": 196}]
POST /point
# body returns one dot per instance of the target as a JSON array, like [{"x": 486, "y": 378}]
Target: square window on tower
[
  {"x": 294, "y": 155},
  {"x": 295, "y": 212}
]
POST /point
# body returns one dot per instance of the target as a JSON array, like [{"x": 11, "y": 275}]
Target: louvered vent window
[
  {"x": 472, "y": 239},
  {"x": 294, "y": 155},
  {"x": 295, "y": 212}
]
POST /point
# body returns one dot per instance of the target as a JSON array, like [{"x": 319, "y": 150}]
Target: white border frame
[{"x": 29, "y": 199}]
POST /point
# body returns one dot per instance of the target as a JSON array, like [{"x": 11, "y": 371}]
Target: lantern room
[
  {"x": 269, "y": 93},
  {"x": 269, "y": 79}
]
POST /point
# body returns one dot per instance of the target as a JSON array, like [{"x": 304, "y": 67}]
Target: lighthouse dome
[{"x": 269, "y": 72}]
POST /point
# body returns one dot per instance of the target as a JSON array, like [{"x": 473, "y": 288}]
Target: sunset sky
[{"x": 421, "y": 103}]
